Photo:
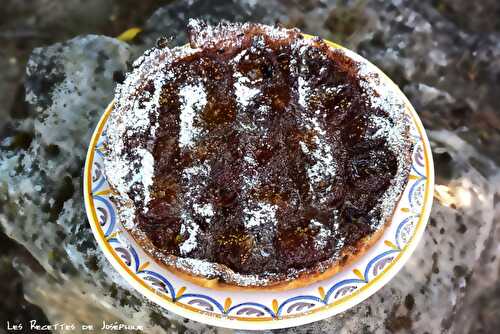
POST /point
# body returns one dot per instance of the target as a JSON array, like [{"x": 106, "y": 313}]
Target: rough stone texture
[
  {"x": 444, "y": 54},
  {"x": 67, "y": 86}
]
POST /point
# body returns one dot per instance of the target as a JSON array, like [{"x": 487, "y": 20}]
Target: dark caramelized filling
[{"x": 263, "y": 154}]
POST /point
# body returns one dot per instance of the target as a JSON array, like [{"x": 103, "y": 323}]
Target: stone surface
[{"x": 447, "y": 65}]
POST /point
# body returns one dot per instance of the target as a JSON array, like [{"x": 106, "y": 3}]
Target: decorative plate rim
[{"x": 276, "y": 321}]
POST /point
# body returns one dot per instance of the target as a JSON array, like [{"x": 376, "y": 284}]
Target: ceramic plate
[{"x": 254, "y": 309}]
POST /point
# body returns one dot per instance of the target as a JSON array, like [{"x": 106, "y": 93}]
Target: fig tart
[{"x": 254, "y": 157}]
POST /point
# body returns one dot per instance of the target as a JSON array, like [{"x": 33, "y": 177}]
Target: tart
[{"x": 254, "y": 157}]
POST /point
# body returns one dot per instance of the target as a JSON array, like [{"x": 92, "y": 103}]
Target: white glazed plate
[{"x": 254, "y": 309}]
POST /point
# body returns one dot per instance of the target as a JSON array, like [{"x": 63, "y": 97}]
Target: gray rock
[{"x": 68, "y": 85}]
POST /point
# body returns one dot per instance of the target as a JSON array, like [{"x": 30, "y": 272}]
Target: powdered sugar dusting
[
  {"x": 304, "y": 91},
  {"x": 392, "y": 129},
  {"x": 230, "y": 34},
  {"x": 204, "y": 210},
  {"x": 194, "y": 179},
  {"x": 197, "y": 267},
  {"x": 324, "y": 166},
  {"x": 335, "y": 232},
  {"x": 322, "y": 236},
  {"x": 146, "y": 173},
  {"x": 191, "y": 230},
  {"x": 244, "y": 93},
  {"x": 194, "y": 99},
  {"x": 260, "y": 214},
  {"x": 136, "y": 112}
]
